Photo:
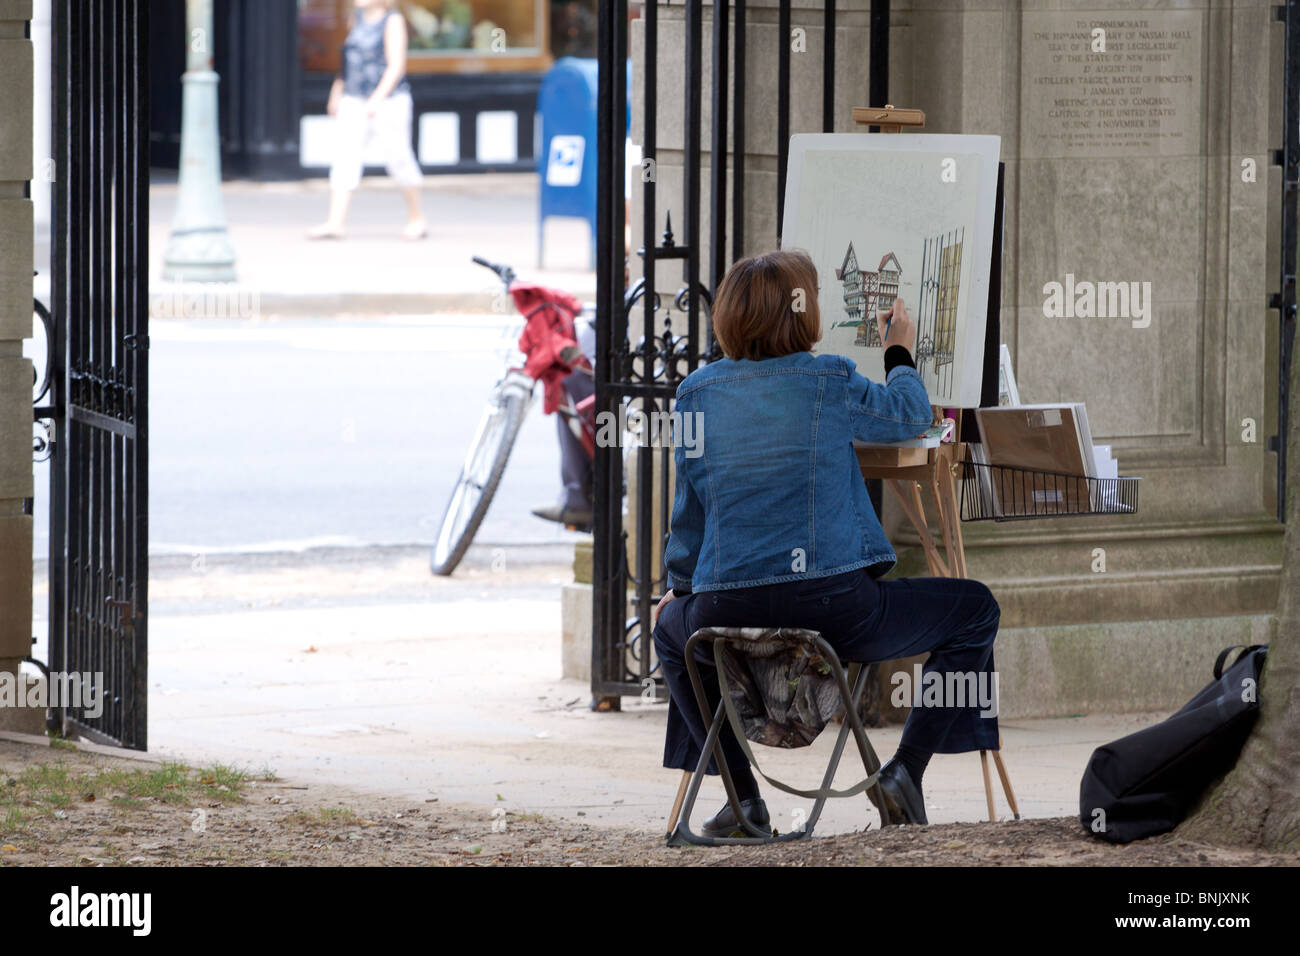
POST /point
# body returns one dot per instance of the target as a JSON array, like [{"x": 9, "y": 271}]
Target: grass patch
[
  {"x": 47, "y": 790},
  {"x": 13, "y": 821}
]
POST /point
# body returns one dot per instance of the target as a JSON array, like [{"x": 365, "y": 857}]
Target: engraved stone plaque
[{"x": 1111, "y": 83}]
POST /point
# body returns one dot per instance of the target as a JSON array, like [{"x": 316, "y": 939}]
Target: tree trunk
[{"x": 1257, "y": 803}]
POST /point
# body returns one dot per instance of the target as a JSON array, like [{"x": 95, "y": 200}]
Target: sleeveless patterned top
[{"x": 364, "y": 59}]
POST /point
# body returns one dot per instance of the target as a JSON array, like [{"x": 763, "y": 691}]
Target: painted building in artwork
[
  {"x": 887, "y": 279},
  {"x": 849, "y": 274},
  {"x": 866, "y": 292}
]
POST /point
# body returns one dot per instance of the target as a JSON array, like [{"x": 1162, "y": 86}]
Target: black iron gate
[
  {"x": 647, "y": 342},
  {"x": 1284, "y": 300},
  {"x": 99, "y": 362}
]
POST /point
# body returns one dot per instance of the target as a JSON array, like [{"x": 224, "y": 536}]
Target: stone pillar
[
  {"x": 1147, "y": 162},
  {"x": 43, "y": 128},
  {"x": 16, "y": 226},
  {"x": 1171, "y": 187}
]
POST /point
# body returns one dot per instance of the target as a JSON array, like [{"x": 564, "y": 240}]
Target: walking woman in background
[{"x": 372, "y": 98}]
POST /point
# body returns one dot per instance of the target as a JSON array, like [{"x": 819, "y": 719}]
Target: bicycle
[
  {"x": 549, "y": 346},
  {"x": 42, "y": 358}
]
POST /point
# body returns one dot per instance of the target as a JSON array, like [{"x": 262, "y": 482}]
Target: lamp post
[{"x": 199, "y": 249}]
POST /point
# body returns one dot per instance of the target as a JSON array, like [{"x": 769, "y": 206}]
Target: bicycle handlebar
[{"x": 504, "y": 273}]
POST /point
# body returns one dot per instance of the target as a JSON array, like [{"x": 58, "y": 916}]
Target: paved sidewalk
[
  {"x": 367, "y": 671},
  {"x": 373, "y": 270}
]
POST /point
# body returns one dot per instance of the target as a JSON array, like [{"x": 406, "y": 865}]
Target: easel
[{"x": 906, "y": 471}]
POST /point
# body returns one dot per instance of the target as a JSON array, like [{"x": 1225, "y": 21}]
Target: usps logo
[{"x": 564, "y": 167}]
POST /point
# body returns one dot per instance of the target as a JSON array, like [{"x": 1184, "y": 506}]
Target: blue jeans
[{"x": 864, "y": 620}]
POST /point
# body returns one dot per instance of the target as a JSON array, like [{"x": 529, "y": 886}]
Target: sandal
[{"x": 325, "y": 231}]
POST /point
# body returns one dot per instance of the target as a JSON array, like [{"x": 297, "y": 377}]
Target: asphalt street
[{"x": 280, "y": 435}]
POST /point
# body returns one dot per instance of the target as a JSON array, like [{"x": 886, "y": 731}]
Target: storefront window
[
  {"x": 573, "y": 28},
  {"x": 322, "y": 28},
  {"x": 457, "y": 36},
  {"x": 483, "y": 26}
]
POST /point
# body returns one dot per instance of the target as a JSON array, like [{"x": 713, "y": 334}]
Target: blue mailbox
[{"x": 568, "y": 158}]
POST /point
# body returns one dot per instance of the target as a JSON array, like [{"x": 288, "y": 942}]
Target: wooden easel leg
[
  {"x": 988, "y": 785},
  {"x": 952, "y": 549},
  {"x": 915, "y": 511},
  {"x": 1006, "y": 779},
  {"x": 942, "y": 487},
  {"x": 681, "y": 796},
  {"x": 1006, "y": 783},
  {"x": 952, "y": 520}
]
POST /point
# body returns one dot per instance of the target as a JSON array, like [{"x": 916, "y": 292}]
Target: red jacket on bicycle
[{"x": 549, "y": 340}]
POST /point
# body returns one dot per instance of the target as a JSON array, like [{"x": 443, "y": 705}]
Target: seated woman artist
[{"x": 772, "y": 525}]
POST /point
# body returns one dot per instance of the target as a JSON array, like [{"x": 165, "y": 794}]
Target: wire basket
[{"x": 1008, "y": 493}]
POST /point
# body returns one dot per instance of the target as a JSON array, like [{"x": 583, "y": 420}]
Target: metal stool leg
[
  {"x": 683, "y": 835},
  {"x": 713, "y": 742},
  {"x": 853, "y": 721}
]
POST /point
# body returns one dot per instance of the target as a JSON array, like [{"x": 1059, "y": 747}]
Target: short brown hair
[{"x": 766, "y": 306}]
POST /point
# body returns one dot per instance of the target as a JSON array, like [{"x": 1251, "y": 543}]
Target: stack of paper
[
  {"x": 1052, "y": 444},
  {"x": 1107, "y": 495}
]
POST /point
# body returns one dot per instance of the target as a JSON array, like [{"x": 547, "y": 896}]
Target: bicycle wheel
[
  {"x": 479, "y": 478},
  {"x": 44, "y": 344}
]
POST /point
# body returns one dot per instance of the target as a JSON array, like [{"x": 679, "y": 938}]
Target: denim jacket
[{"x": 770, "y": 490}]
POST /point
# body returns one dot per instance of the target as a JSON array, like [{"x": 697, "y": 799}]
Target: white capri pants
[{"x": 391, "y": 126}]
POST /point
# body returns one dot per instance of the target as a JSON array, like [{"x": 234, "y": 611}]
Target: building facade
[
  {"x": 474, "y": 67},
  {"x": 16, "y": 242},
  {"x": 1181, "y": 193}
]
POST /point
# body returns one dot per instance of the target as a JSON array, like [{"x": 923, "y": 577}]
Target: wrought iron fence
[
  {"x": 648, "y": 341},
  {"x": 1284, "y": 300},
  {"x": 99, "y": 365}
]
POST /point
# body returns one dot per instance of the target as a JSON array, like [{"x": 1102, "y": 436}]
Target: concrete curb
[
  {"x": 335, "y": 305},
  {"x": 84, "y": 746},
  {"x": 326, "y": 305}
]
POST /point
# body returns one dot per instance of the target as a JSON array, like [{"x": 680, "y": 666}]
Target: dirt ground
[{"x": 60, "y": 806}]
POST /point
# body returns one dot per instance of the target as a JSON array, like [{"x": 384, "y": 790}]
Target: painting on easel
[{"x": 909, "y": 215}]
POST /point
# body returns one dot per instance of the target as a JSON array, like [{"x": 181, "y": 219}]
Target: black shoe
[
  {"x": 575, "y": 519},
  {"x": 724, "y": 823},
  {"x": 902, "y": 798}
]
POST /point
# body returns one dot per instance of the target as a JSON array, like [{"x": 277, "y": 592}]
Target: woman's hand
[
  {"x": 896, "y": 326},
  {"x": 663, "y": 602}
]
